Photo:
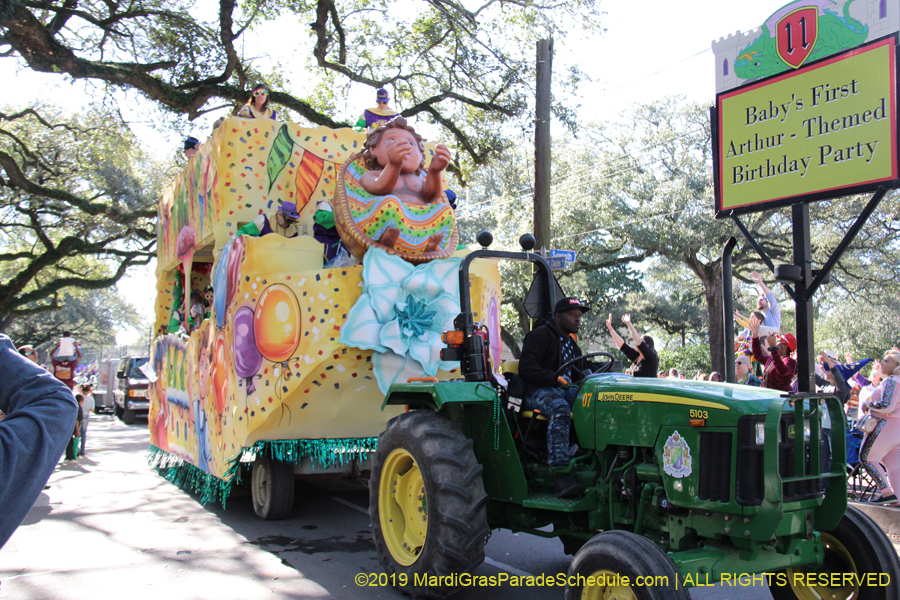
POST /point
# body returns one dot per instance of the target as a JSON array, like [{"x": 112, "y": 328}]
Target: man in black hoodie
[{"x": 544, "y": 350}]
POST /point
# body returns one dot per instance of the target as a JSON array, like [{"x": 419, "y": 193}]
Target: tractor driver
[{"x": 544, "y": 350}]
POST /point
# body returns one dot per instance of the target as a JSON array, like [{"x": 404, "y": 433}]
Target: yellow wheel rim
[
  {"x": 606, "y": 592},
  {"x": 402, "y": 507},
  {"x": 837, "y": 560}
]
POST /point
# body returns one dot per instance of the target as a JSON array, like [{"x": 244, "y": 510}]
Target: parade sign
[{"x": 825, "y": 130}]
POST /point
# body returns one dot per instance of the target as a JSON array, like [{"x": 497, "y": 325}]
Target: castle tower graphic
[{"x": 881, "y": 17}]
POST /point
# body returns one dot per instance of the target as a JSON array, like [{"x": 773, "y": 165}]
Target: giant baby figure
[{"x": 394, "y": 155}]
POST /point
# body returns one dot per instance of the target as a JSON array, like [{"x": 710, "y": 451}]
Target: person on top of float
[
  {"x": 378, "y": 116},
  {"x": 285, "y": 223},
  {"x": 257, "y": 106}
]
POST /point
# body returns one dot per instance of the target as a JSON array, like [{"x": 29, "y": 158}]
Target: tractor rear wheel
[
  {"x": 857, "y": 546},
  {"x": 427, "y": 503},
  {"x": 612, "y": 556}
]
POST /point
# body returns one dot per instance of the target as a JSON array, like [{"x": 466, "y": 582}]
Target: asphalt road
[{"x": 110, "y": 527}]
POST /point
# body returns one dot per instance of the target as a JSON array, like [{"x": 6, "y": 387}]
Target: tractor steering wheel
[{"x": 604, "y": 367}]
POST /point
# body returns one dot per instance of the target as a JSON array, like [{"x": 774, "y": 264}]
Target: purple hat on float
[
  {"x": 382, "y": 95},
  {"x": 289, "y": 209}
]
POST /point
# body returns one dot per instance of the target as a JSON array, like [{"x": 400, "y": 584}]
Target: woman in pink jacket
[{"x": 882, "y": 445}]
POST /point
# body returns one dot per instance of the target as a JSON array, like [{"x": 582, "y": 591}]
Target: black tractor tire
[
  {"x": 128, "y": 416},
  {"x": 272, "y": 488},
  {"x": 627, "y": 555},
  {"x": 857, "y": 546},
  {"x": 427, "y": 503},
  {"x": 117, "y": 411}
]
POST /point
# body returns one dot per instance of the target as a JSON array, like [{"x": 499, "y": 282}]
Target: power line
[
  {"x": 482, "y": 207},
  {"x": 650, "y": 218},
  {"x": 622, "y": 87}
]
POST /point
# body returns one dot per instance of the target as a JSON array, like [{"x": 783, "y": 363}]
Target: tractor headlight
[
  {"x": 806, "y": 430},
  {"x": 760, "y": 433}
]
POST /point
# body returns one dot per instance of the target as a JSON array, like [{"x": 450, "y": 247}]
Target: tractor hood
[
  {"x": 729, "y": 396},
  {"x": 620, "y": 409}
]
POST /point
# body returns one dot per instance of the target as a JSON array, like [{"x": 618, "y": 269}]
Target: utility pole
[{"x": 542, "y": 146}]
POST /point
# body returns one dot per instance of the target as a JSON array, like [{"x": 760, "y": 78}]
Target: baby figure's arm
[
  {"x": 382, "y": 183},
  {"x": 434, "y": 186}
]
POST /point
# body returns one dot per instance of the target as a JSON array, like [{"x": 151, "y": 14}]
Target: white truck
[{"x": 104, "y": 394}]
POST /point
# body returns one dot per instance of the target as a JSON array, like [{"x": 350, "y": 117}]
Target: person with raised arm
[
  {"x": 779, "y": 368},
  {"x": 766, "y": 304},
  {"x": 643, "y": 356}
]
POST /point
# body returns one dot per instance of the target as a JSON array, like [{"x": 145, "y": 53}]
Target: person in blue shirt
[
  {"x": 766, "y": 304},
  {"x": 39, "y": 415}
]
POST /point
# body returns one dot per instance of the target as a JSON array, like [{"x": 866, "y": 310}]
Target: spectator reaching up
[
  {"x": 779, "y": 369},
  {"x": 645, "y": 361},
  {"x": 66, "y": 349},
  {"x": 766, "y": 304}
]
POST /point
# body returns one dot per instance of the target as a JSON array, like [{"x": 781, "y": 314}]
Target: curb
[{"x": 886, "y": 517}]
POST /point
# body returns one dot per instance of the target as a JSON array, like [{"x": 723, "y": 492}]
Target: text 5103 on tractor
[{"x": 687, "y": 481}]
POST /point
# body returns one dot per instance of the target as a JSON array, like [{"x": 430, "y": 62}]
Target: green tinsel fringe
[
  {"x": 323, "y": 454},
  {"x": 188, "y": 477}
]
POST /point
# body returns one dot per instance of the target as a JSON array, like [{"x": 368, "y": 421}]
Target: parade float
[{"x": 285, "y": 371}]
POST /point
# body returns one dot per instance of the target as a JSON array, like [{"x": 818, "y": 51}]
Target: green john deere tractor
[{"x": 685, "y": 482}]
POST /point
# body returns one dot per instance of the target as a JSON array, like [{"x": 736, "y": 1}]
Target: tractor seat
[
  {"x": 510, "y": 366},
  {"x": 532, "y": 414},
  {"x": 515, "y": 404}
]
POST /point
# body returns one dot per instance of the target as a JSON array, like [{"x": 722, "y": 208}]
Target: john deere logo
[
  {"x": 796, "y": 34},
  {"x": 791, "y": 431}
]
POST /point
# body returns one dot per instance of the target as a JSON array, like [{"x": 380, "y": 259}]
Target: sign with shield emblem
[{"x": 796, "y": 35}]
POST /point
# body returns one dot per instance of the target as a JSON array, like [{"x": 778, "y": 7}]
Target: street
[{"x": 110, "y": 525}]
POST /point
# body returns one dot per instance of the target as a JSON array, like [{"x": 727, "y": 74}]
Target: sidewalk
[{"x": 109, "y": 526}]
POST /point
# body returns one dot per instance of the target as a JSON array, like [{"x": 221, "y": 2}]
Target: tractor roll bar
[
  {"x": 543, "y": 292},
  {"x": 544, "y": 275}
]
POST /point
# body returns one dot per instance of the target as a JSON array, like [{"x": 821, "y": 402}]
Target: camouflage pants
[{"x": 556, "y": 405}]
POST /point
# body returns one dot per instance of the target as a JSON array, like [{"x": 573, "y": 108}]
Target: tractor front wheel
[
  {"x": 427, "y": 503},
  {"x": 859, "y": 552},
  {"x": 611, "y": 557}
]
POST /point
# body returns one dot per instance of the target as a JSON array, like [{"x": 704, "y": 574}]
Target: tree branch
[{"x": 18, "y": 179}]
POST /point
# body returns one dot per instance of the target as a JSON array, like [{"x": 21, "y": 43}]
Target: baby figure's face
[{"x": 395, "y": 139}]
